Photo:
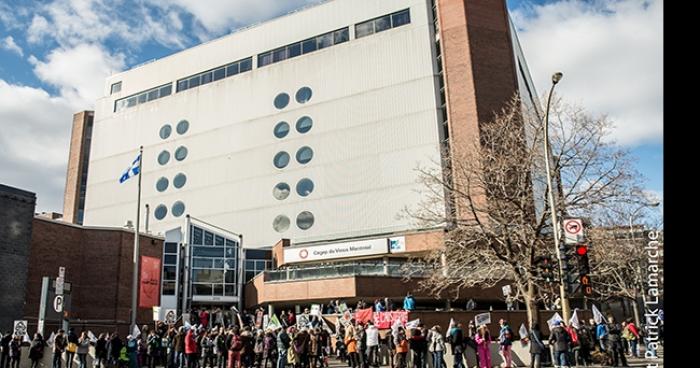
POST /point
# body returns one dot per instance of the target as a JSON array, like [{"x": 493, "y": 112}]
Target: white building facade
[{"x": 308, "y": 127}]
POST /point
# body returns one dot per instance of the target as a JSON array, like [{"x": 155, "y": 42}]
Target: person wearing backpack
[
  {"x": 559, "y": 339},
  {"x": 71, "y": 348},
  {"x": 505, "y": 341}
]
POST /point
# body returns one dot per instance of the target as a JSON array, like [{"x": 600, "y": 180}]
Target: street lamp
[
  {"x": 556, "y": 77},
  {"x": 635, "y": 305}
]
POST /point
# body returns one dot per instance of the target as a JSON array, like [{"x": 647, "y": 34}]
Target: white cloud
[
  {"x": 9, "y": 44},
  {"x": 217, "y": 16},
  {"x": 79, "y": 72},
  {"x": 37, "y": 29},
  {"x": 34, "y": 142},
  {"x": 611, "y": 54}
]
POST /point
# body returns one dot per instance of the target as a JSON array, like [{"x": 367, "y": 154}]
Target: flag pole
[{"x": 135, "y": 277}]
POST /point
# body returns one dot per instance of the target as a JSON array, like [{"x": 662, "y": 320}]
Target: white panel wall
[{"x": 375, "y": 121}]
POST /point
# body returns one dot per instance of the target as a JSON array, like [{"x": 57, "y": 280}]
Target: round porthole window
[
  {"x": 281, "y": 101},
  {"x": 281, "y": 129},
  {"x": 181, "y": 153},
  {"x": 305, "y": 220},
  {"x": 165, "y": 131},
  {"x": 305, "y": 187},
  {"x": 304, "y": 95},
  {"x": 281, "y": 191},
  {"x": 182, "y": 127},
  {"x": 179, "y": 180},
  {"x": 281, "y": 223},
  {"x": 160, "y": 212},
  {"x": 163, "y": 157},
  {"x": 178, "y": 209},
  {"x": 162, "y": 184},
  {"x": 281, "y": 160},
  {"x": 304, "y": 124},
  {"x": 304, "y": 155}
]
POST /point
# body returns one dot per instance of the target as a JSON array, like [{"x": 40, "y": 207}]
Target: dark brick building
[
  {"x": 98, "y": 264},
  {"x": 16, "y": 213}
]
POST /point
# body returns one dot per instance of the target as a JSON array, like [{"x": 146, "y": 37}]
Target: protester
[
  {"x": 483, "y": 341},
  {"x": 409, "y": 303},
  {"x": 537, "y": 348},
  {"x": 36, "y": 350},
  {"x": 615, "y": 343},
  {"x": 283, "y": 342},
  {"x": 15, "y": 351},
  {"x": 632, "y": 336},
  {"x": 418, "y": 346},
  {"x": 437, "y": 346},
  {"x": 59, "y": 346},
  {"x": 5, "y": 349},
  {"x": 602, "y": 335},
  {"x": 586, "y": 343},
  {"x": 456, "y": 340},
  {"x": 71, "y": 347},
  {"x": 372, "y": 334},
  {"x": 401, "y": 343},
  {"x": 559, "y": 339},
  {"x": 505, "y": 341},
  {"x": 83, "y": 349}
]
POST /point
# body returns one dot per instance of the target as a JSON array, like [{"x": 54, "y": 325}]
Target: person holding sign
[
  {"x": 36, "y": 350},
  {"x": 505, "y": 340},
  {"x": 483, "y": 341}
]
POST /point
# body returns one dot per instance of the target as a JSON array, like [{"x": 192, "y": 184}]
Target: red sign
[
  {"x": 363, "y": 315},
  {"x": 385, "y": 320},
  {"x": 149, "y": 285}
]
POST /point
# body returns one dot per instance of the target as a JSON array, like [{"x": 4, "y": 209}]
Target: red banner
[
  {"x": 149, "y": 285},
  {"x": 363, "y": 315},
  {"x": 385, "y": 319}
]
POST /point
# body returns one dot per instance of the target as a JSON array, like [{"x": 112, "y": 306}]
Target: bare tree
[{"x": 496, "y": 185}]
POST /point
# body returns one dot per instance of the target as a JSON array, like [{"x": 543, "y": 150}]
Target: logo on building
[{"x": 303, "y": 253}]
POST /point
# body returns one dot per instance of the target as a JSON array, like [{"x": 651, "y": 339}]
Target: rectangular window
[
  {"x": 382, "y": 24},
  {"x": 364, "y": 29},
  {"x": 152, "y": 95},
  {"x": 168, "y": 288},
  {"x": 249, "y": 265},
  {"x": 218, "y": 240},
  {"x": 119, "y": 105},
  {"x": 208, "y": 276},
  {"x": 218, "y": 290},
  {"x": 197, "y": 236},
  {"x": 170, "y": 259},
  {"x": 294, "y": 50},
  {"x": 325, "y": 40},
  {"x": 166, "y": 90},
  {"x": 246, "y": 65},
  {"x": 143, "y": 98},
  {"x": 207, "y": 252},
  {"x": 201, "y": 263},
  {"x": 308, "y": 46},
  {"x": 202, "y": 289},
  {"x": 230, "y": 277},
  {"x": 116, "y": 87},
  {"x": 194, "y": 81},
  {"x": 131, "y": 102},
  {"x": 341, "y": 36},
  {"x": 219, "y": 74},
  {"x": 170, "y": 248},
  {"x": 232, "y": 70},
  {"x": 400, "y": 18},
  {"x": 231, "y": 243},
  {"x": 264, "y": 59},
  {"x": 279, "y": 55},
  {"x": 170, "y": 273},
  {"x": 208, "y": 238},
  {"x": 230, "y": 290},
  {"x": 182, "y": 85},
  {"x": 206, "y": 78}
]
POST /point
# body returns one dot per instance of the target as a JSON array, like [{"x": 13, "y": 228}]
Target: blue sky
[{"x": 55, "y": 54}]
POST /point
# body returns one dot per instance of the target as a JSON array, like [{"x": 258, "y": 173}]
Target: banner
[
  {"x": 384, "y": 320},
  {"x": 273, "y": 323},
  {"x": 170, "y": 316},
  {"x": 555, "y": 318},
  {"x": 20, "y": 329},
  {"x": 315, "y": 309},
  {"x": 597, "y": 315},
  {"x": 149, "y": 286},
  {"x": 410, "y": 325},
  {"x": 363, "y": 315},
  {"x": 573, "y": 321}
]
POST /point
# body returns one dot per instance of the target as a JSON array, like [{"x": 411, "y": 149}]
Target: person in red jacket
[
  {"x": 204, "y": 318},
  {"x": 191, "y": 348}
]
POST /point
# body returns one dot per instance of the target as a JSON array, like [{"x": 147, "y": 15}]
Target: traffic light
[
  {"x": 582, "y": 255},
  {"x": 546, "y": 266}
]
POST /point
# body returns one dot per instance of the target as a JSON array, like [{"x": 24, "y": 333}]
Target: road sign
[
  {"x": 573, "y": 231},
  {"x": 58, "y": 303},
  {"x": 20, "y": 328}
]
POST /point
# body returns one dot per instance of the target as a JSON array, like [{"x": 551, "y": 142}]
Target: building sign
[
  {"x": 335, "y": 251},
  {"x": 149, "y": 286},
  {"x": 397, "y": 245}
]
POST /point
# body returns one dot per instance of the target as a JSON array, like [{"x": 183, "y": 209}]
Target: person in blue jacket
[
  {"x": 601, "y": 335},
  {"x": 409, "y": 303}
]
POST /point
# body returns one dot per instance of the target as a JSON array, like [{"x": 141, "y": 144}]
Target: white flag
[
  {"x": 522, "y": 331},
  {"x": 395, "y": 328},
  {"x": 550, "y": 322},
  {"x": 597, "y": 316},
  {"x": 412, "y": 324},
  {"x": 451, "y": 325},
  {"x": 92, "y": 336},
  {"x": 51, "y": 338},
  {"x": 26, "y": 338},
  {"x": 136, "y": 331},
  {"x": 573, "y": 321}
]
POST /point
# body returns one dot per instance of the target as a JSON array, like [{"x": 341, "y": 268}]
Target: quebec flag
[{"x": 133, "y": 170}]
